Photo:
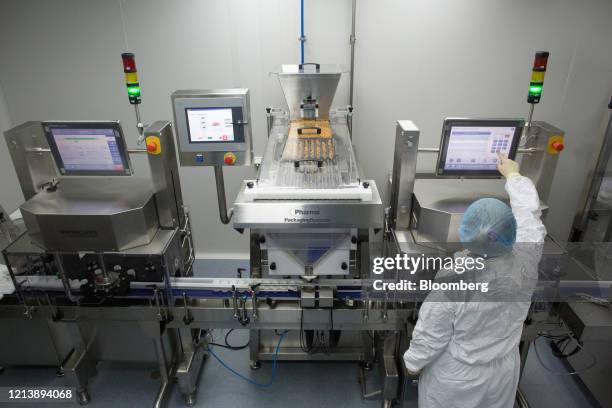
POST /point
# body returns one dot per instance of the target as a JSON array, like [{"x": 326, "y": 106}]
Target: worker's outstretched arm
[
  {"x": 525, "y": 203},
  {"x": 431, "y": 334}
]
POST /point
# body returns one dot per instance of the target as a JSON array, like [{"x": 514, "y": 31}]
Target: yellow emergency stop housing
[
  {"x": 151, "y": 141},
  {"x": 553, "y": 144}
]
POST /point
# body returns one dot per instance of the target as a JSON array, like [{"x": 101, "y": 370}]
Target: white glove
[{"x": 508, "y": 168}]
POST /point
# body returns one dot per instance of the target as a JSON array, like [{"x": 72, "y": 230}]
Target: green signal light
[
  {"x": 535, "y": 89},
  {"x": 133, "y": 90}
]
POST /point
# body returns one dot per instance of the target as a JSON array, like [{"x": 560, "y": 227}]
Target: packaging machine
[
  {"x": 310, "y": 215},
  {"x": 105, "y": 268}
]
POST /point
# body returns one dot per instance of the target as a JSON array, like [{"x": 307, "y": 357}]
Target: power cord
[
  {"x": 236, "y": 373},
  {"x": 563, "y": 340},
  {"x": 593, "y": 299},
  {"x": 229, "y": 346}
]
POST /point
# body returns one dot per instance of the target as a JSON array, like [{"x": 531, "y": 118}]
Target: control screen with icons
[
  {"x": 471, "y": 147},
  {"x": 210, "y": 125},
  {"x": 477, "y": 148},
  {"x": 87, "y": 151}
]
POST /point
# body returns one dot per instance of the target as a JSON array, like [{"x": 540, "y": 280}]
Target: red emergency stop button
[
  {"x": 555, "y": 144},
  {"x": 153, "y": 145},
  {"x": 558, "y": 146},
  {"x": 229, "y": 158}
]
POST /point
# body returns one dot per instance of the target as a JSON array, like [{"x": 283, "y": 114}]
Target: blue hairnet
[{"x": 488, "y": 227}]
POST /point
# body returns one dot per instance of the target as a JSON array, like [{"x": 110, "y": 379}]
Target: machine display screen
[
  {"x": 210, "y": 125},
  {"x": 473, "y": 148},
  {"x": 87, "y": 151}
]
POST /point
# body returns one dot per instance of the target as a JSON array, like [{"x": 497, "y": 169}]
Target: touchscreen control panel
[{"x": 213, "y": 127}]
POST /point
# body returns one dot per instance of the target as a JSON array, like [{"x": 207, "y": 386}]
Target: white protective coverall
[{"x": 467, "y": 351}]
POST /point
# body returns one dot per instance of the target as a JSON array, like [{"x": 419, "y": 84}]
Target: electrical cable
[
  {"x": 561, "y": 345},
  {"x": 593, "y": 299},
  {"x": 323, "y": 345},
  {"x": 247, "y": 379},
  {"x": 304, "y": 342},
  {"x": 561, "y": 342},
  {"x": 234, "y": 347},
  {"x": 550, "y": 370},
  {"x": 229, "y": 346},
  {"x": 319, "y": 343}
]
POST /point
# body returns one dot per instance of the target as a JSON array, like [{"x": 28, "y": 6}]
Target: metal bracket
[
  {"x": 162, "y": 316},
  {"x": 254, "y": 314},
  {"x": 235, "y": 302},
  {"x": 187, "y": 319},
  {"x": 366, "y": 306},
  {"x": 385, "y": 314},
  {"x": 224, "y": 214}
]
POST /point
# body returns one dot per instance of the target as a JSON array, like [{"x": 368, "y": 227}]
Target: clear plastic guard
[{"x": 309, "y": 154}]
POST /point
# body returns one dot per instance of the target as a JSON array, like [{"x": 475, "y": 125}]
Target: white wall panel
[{"x": 419, "y": 60}]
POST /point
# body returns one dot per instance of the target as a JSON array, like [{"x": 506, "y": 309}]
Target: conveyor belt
[{"x": 289, "y": 289}]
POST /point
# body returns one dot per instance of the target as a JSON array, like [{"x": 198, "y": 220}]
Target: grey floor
[{"x": 297, "y": 385}]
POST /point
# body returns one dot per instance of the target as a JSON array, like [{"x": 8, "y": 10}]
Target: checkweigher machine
[{"x": 105, "y": 269}]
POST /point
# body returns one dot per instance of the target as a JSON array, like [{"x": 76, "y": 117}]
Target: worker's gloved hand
[
  {"x": 508, "y": 168},
  {"x": 412, "y": 375}
]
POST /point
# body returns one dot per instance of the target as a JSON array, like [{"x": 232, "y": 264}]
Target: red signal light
[
  {"x": 129, "y": 62},
  {"x": 540, "y": 61}
]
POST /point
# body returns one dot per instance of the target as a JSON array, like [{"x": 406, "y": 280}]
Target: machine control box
[{"x": 213, "y": 127}]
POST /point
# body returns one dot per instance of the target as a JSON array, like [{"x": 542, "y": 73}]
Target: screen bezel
[
  {"x": 237, "y": 120},
  {"x": 518, "y": 124},
  {"x": 119, "y": 138}
]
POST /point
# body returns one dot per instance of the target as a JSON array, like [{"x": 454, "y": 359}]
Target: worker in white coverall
[{"x": 466, "y": 351}]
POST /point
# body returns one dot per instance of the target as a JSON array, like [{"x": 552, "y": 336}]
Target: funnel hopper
[{"x": 309, "y": 86}]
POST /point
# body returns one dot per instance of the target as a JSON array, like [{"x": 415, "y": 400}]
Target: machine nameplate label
[{"x": 301, "y": 216}]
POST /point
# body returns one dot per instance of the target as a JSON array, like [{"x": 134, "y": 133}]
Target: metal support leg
[
  {"x": 254, "y": 349},
  {"x": 368, "y": 351},
  {"x": 83, "y": 397},
  {"x": 387, "y": 403},
  {"x": 79, "y": 369},
  {"x": 167, "y": 366},
  {"x": 189, "y": 366},
  {"x": 80, "y": 366},
  {"x": 389, "y": 367},
  {"x": 364, "y": 389},
  {"x": 164, "y": 369}
]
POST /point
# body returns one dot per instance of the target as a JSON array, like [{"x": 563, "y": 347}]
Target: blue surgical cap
[{"x": 488, "y": 227}]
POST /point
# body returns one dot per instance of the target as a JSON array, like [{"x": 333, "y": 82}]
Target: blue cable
[
  {"x": 302, "y": 29},
  {"x": 255, "y": 383}
]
